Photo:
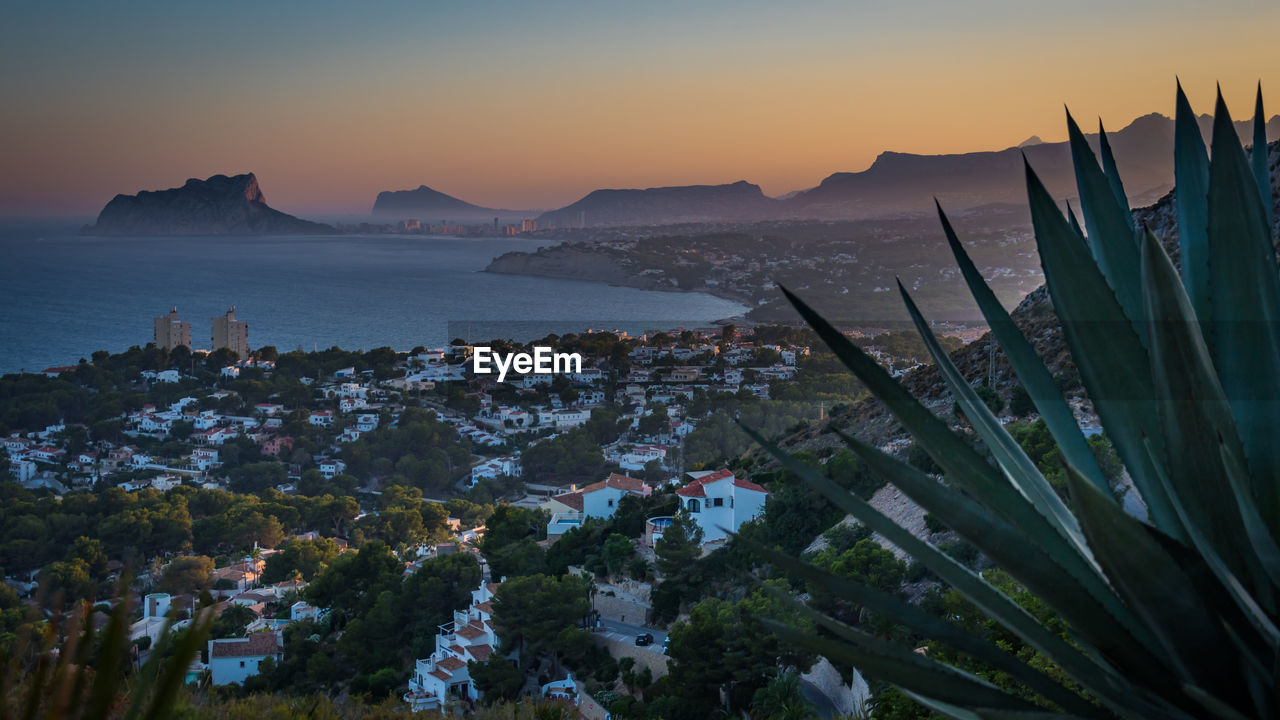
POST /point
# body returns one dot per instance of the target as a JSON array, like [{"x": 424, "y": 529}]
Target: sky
[{"x": 534, "y": 104}]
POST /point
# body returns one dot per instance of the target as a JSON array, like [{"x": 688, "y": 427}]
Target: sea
[{"x": 65, "y": 296}]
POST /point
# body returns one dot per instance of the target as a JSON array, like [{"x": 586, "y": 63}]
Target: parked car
[{"x": 644, "y": 639}]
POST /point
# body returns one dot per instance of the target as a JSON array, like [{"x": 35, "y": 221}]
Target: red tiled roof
[
  {"x": 456, "y": 648},
  {"x": 441, "y": 674},
  {"x": 573, "y": 500},
  {"x": 485, "y": 607},
  {"x": 470, "y": 632},
  {"x": 451, "y": 663},
  {"x": 695, "y": 488},
  {"x": 748, "y": 485},
  {"x": 480, "y": 652},
  {"x": 257, "y": 644},
  {"x": 492, "y": 587}
]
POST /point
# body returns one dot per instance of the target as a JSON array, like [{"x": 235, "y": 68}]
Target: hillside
[{"x": 1034, "y": 315}]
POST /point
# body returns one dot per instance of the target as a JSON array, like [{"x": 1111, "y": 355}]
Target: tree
[
  {"x": 188, "y": 574},
  {"x": 498, "y": 679},
  {"x": 781, "y": 699},
  {"x": 679, "y": 547},
  {"x": 618, "y": 549},
  {"x": 533, "y": 611}
]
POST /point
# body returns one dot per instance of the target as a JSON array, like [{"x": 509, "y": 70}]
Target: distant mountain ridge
[
  {"x": 664, "y": 205},
  {"x": 898, "y": 183},
  {"x": 906, "y": 183},
  {"x": 424, "y": 203},
  {"x": 220, "y": 205}
]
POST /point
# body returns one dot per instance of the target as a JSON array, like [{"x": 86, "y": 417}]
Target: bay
[{"x": 65, "y": 296}]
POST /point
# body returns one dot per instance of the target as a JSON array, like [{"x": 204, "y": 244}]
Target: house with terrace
[
  {"x": 597, "y": 500},
  {"x": 444, "y": 676}
]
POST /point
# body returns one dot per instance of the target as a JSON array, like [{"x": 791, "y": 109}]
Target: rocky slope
[
  {"x": 221, "y": 205},
  {"x": 982, "y": 358},
  {"x": 740, "y": 201}
]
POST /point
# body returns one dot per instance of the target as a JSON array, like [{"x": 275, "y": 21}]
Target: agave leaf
[
  {"x": 1087, "y": 604},
  {"x": 1111, "y": 689},
  {"x": 1263, "y": 544},
  {"x": 1246, "y": 309},
  {"x": 930, "y": 626},
  {"x": 1213, "y": 704},
  {"x": 899, "y": 665},
  {"x": 1110, "y": 227},
  {"x": 171, "y": 677},
  {"x": 1222, "y": 589},
  {"x": 960, "y": 462},
  {"x": 1191, "y": 173},
  {"x": 1075, "y": 224},
  {"x": 110, "y": 666},
  {"x": 1113, "y": 174},
  {"x": 1258, "y": 160},
  {"x": 1018, "y": 468},
  {"x": 1031, "y": 371},
  {"x": 1158, "y": 590},
  {"x": 954, "y": 711},
  {"x": 1193, "y": 410},
  {"x": 1112, "y": 361}
]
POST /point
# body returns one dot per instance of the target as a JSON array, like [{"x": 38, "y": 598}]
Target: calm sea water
[{"x": 64, "y": 296}]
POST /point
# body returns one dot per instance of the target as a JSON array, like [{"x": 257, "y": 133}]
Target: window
[
  {"x": 693, "y": 506},
  {"x": 717, "y": 502},
  {"x": 241, "y": 663},
  {"x": 611, "y": 502}
]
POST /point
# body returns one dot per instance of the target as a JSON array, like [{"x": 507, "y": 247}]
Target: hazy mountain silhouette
[
  {"x": 663, "y": 205},
  {"x": 424, "y": 203},
  {"x": 221, "y": 205},
  {"x": 904, "y": 183}
]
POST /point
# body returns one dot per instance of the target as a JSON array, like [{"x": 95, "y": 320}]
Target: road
[{"x": 628, "y": 632}]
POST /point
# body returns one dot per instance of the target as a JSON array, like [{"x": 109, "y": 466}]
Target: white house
[
  {"x": 641, "y": 455},
  {"x": 471, "y": 636},
  {"x": 495, "y": 467},
  {"x": 597, "y": 500},
  {"x": 570, "y": 418},
  {"x": 204, "y": 458},
  {"x": 331, "y": 468},
  {"x": 168, "y": 376},
  {"x": 719, "y": 502},
  {"x": 234, "y": 660},
  {"x": 323, "y": 418}
]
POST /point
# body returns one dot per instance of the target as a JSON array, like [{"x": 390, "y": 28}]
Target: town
[{"x": 398, "y": 526}]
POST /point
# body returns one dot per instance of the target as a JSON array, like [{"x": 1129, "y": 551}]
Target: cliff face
[
  {"x": 221, "y": 205},
  {"x": 664, "y": 205}
]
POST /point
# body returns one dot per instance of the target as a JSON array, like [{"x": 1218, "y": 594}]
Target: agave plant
[{"x": 1170, "y": 616}]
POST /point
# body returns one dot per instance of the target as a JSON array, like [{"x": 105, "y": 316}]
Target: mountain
[
  {"x": 664, "y": 205},
  {"x": 425, "y": 203},
  {"x": 221, "y": 205},
  {"x": 906, "y": 183}
]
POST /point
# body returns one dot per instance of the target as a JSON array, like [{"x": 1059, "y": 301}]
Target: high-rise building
[
  {"x": 172, "y": 332},
  {"x": 231, "y": 333}
]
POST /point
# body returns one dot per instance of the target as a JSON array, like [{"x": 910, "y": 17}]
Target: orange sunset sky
[{"x": 532, "y": 105}]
